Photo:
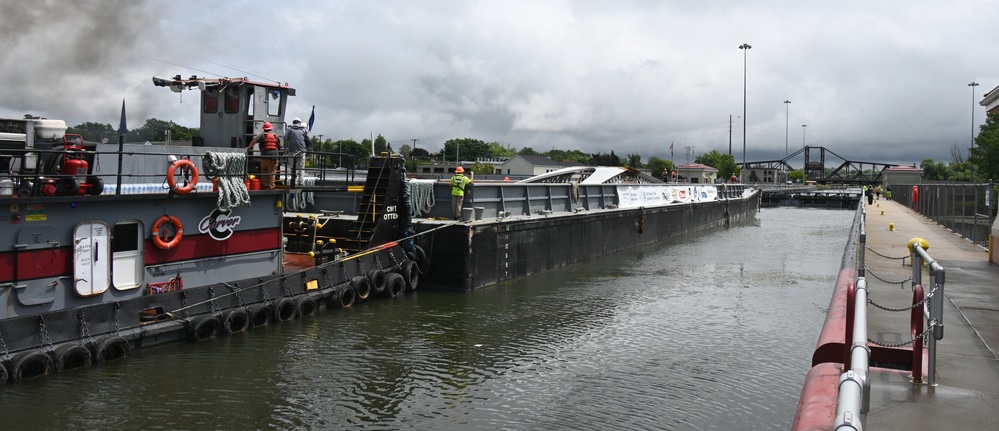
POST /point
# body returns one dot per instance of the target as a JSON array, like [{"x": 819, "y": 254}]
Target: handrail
[
  {"x": 933, "y": 308},
  {"x": 854, "y": 385}
]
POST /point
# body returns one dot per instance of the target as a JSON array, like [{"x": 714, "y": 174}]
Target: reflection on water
[{"x": 712, "y": 332}]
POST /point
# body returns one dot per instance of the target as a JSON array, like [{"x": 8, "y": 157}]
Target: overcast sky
[{"x": 878, "y": 81}]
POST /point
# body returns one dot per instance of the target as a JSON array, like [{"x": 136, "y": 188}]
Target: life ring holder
[
  {"x": 160, "y": 242},
  {"x": 182, "y": 164}
]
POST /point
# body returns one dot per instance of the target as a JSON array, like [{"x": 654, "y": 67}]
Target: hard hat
[
  {"x": 268, "y": 127},
  {"x": 459, "y": 169},
  {"x": 296, "y": 120}
]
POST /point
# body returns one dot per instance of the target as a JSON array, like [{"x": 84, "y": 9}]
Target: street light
[
  {"x": 745, "y": 53},
  {"x": 972, "y": 85},
  {"x": 803, "y": 126},
  {"x": 787, "y": 119}
]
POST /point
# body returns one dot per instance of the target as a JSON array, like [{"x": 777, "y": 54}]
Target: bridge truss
[{"x": 848, "y": 171}]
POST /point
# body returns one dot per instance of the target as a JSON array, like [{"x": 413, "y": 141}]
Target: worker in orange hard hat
[
  {"x": 269, "y": 145},
  {"x": 458, "y": 183}
]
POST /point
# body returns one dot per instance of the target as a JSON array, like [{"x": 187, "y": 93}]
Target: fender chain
[
  {"x": 43, "y": 333},
  {"x": 213, "y": 307},
  {"x": 117, "y": 321},
  {"x": 85, "y": 336},
  {"x": 3, "y": 345}
]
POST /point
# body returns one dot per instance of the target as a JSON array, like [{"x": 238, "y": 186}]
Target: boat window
[
  {"x": 231, "y": 101},
  {"x": 211, "y": 101},
  {"x": 127, "y": 264},
  {"x": 125, "y": 237},
  {"x": 274, "y": 103}
]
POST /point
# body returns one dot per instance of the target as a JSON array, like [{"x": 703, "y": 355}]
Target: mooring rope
[
  {"x": 421, "y": 194},
  {"x": 229, "y": 169},
  {"x": 301, "y": 200}
]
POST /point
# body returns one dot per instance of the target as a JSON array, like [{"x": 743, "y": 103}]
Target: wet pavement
[{"x": 966, "y": 393}]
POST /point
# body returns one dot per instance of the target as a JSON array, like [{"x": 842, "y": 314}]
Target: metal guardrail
[
  {"x": 965, "y": 208},
  {"x": 854, "y": 383},
  {"x": 933, "y": 306}
]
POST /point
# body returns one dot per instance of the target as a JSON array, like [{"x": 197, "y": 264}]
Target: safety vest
[
  {"x": 270, "y": 142},
  {"x": 458, "y": 183}
]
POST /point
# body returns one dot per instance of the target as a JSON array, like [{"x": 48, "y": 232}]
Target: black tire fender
[
  {"x": 70, "y": 356},
  {"x": 395, "y": 285},
  {"x": 111, "y": 348},
  {"x": 235, "y": 321},
  {"x": 305, "y": 306},
  {"x": 260, "y": 315},
  {"x": 33, "y": 363},
  {"x": 362, "y": 287},
  {"x": 377, "y": 279},
  {"x": 285, "y": 309},
  {"x": 410, "y": 272},
  {"x": 347, "y": 297},
  {"x": 204, "y": 327}
]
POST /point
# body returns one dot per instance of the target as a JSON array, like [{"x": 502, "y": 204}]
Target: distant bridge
[{"x": 848, "y": 172}]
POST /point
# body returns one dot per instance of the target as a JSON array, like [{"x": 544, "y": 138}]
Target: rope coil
[
  {"x": 421, "y": 194},
  {"x": 229, "y": 169}
]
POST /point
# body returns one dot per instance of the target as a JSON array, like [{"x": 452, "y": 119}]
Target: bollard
[
  {"x": 891, "y": 227},
  {"x": 882, "y": 212}
]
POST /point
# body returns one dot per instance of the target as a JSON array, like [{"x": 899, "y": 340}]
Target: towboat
[{"x": 111, "y": 247}]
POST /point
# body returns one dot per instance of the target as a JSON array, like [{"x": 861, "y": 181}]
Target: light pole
[
  {"x": 730, "y": 133},
  {"x": 972, "y": 162},
  {"x": 745, "y": 53},
  {"x": 787, "y": 120},
  {"x": 803, "y": 126}
]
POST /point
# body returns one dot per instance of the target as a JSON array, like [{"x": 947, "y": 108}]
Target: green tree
[
  {"x": 724, "y": 163},
  {"x": 634, "y": 161},
  {"x": 797, "y": 176},
  {"x": 155, "y": 130},
  {"x": 482, "y": 168},
  {"x": 497, "y": 150},
  {"x": 94, "y": 132},
  {"x": 466, "y": 148},
  {"x": 574, "y": 156},
  {"x": 658, "y": 166},
  {"x": 602, "y": 159},
  {"x": 528, "y": 151},
  {"x": 985, "y": 154}
]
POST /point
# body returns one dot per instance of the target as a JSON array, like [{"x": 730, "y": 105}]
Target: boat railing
[
  {"x": 501, "y": 199},
  {"x": 143, "y": 169}
]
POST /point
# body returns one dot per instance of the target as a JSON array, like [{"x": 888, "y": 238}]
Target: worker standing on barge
[
  {"x": 458, "y": 183},
  {"x": 269, "y": 146}
]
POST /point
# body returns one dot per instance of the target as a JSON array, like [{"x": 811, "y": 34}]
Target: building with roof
[
  {"x": 532, "y": 165},
  {"x": 697, "y": 173},
  {"x": 903, "y": 175}
]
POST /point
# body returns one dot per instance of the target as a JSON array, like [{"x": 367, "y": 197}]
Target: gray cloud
[{"x": 882, "y": 82}]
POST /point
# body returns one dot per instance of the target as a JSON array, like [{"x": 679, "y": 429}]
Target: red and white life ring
[
  {"x": 183, "y": 164},
  {"x": 158, "y": 240}
]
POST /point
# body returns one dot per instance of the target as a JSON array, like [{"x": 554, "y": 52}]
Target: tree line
[{"x": 984, "y": 156}]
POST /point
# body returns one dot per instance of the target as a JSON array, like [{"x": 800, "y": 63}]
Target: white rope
[
  {"x": 229, "y": 169},
  {"x": 301, "y": 201},
  {"x": 421, "y": 197}
]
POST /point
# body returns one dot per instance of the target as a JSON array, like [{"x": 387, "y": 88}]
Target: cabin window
[
  {"x": 211, "y": 101},
  {"x": 274, "y": 103},
  {"x": 126, "y": 249},
  {"x": 231, "y": 101}
]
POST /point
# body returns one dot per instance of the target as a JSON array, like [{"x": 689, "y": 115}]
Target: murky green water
[{"x": 714, "y": 332}]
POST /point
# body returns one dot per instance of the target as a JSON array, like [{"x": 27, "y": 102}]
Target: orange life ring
[
  {"x": 159, "y": 241},
  {"x": 172, "y": 182}
]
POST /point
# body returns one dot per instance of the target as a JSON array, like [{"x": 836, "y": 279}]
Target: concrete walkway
[{"x": 966, "y": 394}]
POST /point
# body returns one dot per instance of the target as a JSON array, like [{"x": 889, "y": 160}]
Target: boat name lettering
[
  {"x": 390, "y": 213},
  {"x": 219, "y": 224}
]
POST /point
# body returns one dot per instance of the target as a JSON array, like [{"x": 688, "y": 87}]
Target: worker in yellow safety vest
[{"x": 458, "y": 183}]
